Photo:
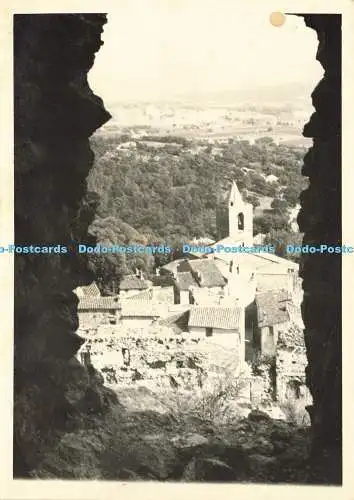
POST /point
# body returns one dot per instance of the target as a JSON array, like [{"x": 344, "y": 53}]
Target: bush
[{"x": 214, "y": 401}]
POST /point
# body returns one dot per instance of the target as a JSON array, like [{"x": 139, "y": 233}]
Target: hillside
[{"x": 169, "y": 189}]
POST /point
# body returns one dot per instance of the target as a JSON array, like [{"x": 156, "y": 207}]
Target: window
[
  {"x": 241, "y": 221},
  {"x": 112, "y": 317},
  {"x": 209, "y": 331}
]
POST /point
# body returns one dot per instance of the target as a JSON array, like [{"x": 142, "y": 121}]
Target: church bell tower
[{"x": 240, "y": 218}]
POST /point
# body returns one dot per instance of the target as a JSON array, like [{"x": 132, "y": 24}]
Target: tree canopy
[{"x": 169, "y": 189}]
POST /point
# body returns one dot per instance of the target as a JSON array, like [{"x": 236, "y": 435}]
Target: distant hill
[
  {"x": 290, "y": 96},
  {"x": 280, "y": 94}
]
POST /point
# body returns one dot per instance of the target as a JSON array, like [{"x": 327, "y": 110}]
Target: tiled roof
[
  {"x": 132, "y": 282},
  {"x": 141, "y": 296},
  {"x": 272, "y": 307},
  {"x": 172, "y": 266},
  {"x": 141, "y": 309},
  {"x": 185, "y": 280},
  {"x": 98, "y": 303},
  {"x": 178, "y": 319},
  {"x": 91, "y": 290},
  {"x": 226, "y": 318},
  {"x": 207, "y": 273}
]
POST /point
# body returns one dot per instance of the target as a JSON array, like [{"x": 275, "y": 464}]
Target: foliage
[
  {"x": 280, "y": 239},
  {"x": 251, "y": 198},
  {"x": 279, "y": 205},
  {"x": 171, "y": 193},
  {"x": 212, "y": 402},
  {"x": 163, "y": 195},
  {"x": 271, "y": 222},
  {"x": 109, "y": 267},
  {"x": 263, "y": 363}
]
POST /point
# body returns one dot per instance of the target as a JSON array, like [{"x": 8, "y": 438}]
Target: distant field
[{"x": 289, "y": 136}]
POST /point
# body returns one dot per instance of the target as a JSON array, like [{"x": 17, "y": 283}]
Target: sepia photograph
[{"x": 178, "y": 244}]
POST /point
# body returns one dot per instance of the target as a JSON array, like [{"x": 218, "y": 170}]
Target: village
[{"x": 199, "y": 313}]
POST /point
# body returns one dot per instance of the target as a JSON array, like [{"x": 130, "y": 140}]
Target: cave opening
[{"x": 53, "y": 124}]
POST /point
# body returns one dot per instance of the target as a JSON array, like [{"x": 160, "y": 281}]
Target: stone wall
[
  {"x": 290, "y": 364},
  {"x": 55, "y": 113},
  {"x": 207, "y": 296},
  {"x": 137, "y": 322},
  {"x": 320, "y": 220},
  {"x": 163, "y": 294},
  {"x": 93, "y": 319},
  {"x": 290, "y": 367},
  {"x": 274, "y": 281},
  {"x": 154, "y": 358}
]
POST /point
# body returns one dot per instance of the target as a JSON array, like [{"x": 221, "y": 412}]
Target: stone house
[
  {"x": 132, "y": 284},
  {"x": 223, "y": 325},
  {"x": 198, "y": 281},
  {"x": 268, "y": 316},
  {"x": 144, "y": 309},
  {"x": 96, "y": 311},
  {"x": 274, "y": 333},
  {"x": 140, "y": 315},
  {"x": 184, "y": 282}
]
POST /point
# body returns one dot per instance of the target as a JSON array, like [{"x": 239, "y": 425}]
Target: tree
[
  {"x": 267, "y": 222},
  {"x": 292, "y": 194},
  {"x": 265, "y": 141},
  {"x": 109, "y": 267},
  {"x": 172, "y": 191},
  {"x": 279, "y": 206},
  {"x": 280, "y": 239},
  {"x": 253, "y": 200}
]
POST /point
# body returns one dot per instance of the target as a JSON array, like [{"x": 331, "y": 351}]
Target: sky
[{"x": 158, "y": 49}]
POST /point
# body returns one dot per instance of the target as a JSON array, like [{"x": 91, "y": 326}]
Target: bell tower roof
[{"x": 235, "y": 195}]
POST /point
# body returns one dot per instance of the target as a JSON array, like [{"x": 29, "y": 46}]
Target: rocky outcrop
[
  {"x": 146, "y": 445},
  {"x": 320, "y": 220},
  {"x": 55, "y": 113}
]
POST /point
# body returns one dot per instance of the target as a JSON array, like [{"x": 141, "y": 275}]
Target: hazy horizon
[
  {"x": 220, "y": 97},
  {"x": 157, "y": 51}
]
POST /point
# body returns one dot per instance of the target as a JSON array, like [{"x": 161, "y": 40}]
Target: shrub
[{"x": 213, "y": 400}]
